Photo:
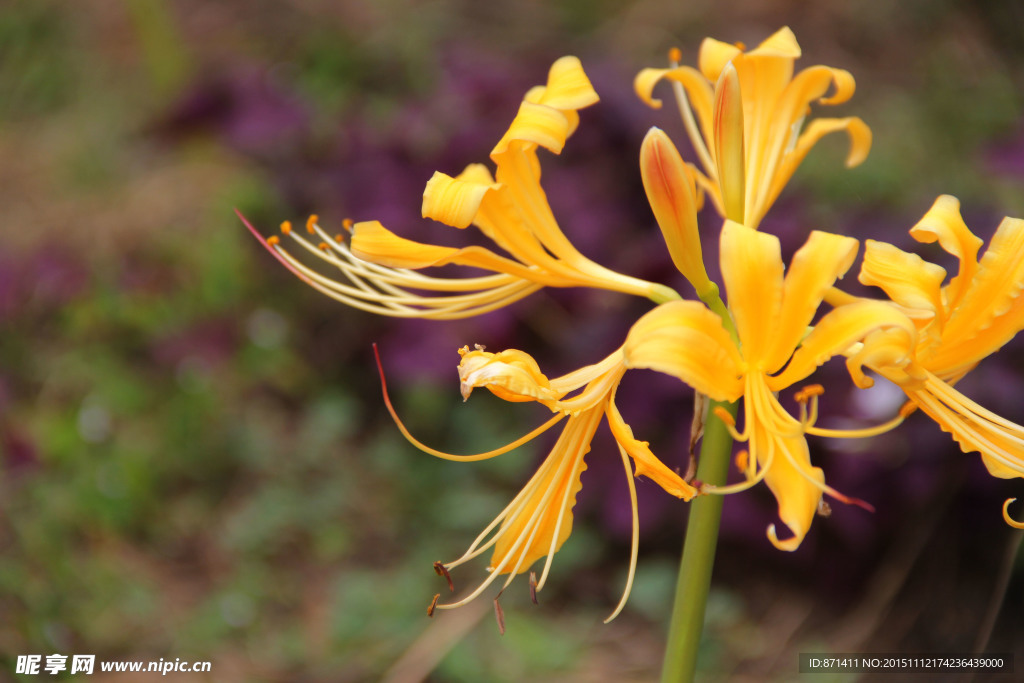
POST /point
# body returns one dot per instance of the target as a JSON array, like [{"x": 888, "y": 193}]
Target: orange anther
[
  {"x": 675, "y": 55},
  {"x": 442, "y": 570},
  {"x": 339, "y": 238},
  {"x": 286, "y": 227},
  {"x": 323, "y": 246},
  {"x": 740, "y": 45},
  {"x": 433, "y": 605},
  {"x": 347, "y": 224},
  {"x": 273, "y": 241},
  {"x": 742, "y": 460},
  {"x": 311, "y": 224},
  {"x": 809, "y": 392},
  {"x": 724, "y": 416}
]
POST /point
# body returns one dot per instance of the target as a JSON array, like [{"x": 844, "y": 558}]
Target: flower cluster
[{"x": 745, "y": 113}]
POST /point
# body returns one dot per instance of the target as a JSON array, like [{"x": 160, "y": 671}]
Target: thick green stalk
[{"x": 698, "y": 553}]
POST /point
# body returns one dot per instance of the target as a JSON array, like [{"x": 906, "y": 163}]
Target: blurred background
[{"x": 194, "y": 458}]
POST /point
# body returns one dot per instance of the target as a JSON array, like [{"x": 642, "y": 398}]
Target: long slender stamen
[
  {"x": 518, "y": 543},
  {"x": 730, "y": 424},
  {"x": 696, "y": 139},
  {"x": 584, "y": 436},
  {"x": 635, "y": 539},
  {"x": 384, "y": 290},
  {"x": 449, "y": 456}
]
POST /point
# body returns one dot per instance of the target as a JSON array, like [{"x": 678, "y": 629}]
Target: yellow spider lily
[
  {"x": 539, "y": 519},
  {"x": 771, "y": 350},
  {"x": 959, "y": 324},
  {"x": 510, "y": 208},
  {"x": 750, "y": 111}
]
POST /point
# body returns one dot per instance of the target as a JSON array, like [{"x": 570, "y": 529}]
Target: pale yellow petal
[
  {"x": 686, "y": 340},
  {"x": 814, "y": 269},
  {"x": 752, "y": 271}
]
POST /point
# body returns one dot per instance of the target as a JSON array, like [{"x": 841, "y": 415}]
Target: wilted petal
[{"x": 511, "y": 375}]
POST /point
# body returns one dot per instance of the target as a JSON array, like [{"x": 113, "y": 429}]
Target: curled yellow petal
[
  {"x": 790, "y": 478},
  {"x": 887, "y": 350},
  {"x": 906, "y": 278},
  {"x": 696, "y": 86},
  {"x": 943, "y": 224},
  {"x": 537, "y": 124},
  {"x": 568, "y": 86},
  {"x": 455, "y": 201},
  {"x": 511, "y": 375}
]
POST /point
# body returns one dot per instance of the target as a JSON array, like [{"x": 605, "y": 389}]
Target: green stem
[{"x": 698, "y": 553}]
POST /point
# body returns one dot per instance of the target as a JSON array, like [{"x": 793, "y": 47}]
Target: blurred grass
[{"x": 195, "y": 463}]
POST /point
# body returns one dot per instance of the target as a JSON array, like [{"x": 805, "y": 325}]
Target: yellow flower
[
  {"x": 958, "y": 324},
  {"x": 750, "y": 110},
  {"x": 539, "y": 520},
  {"x": 510, "y": 208},
  {"x": 770, "y": 351}
]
